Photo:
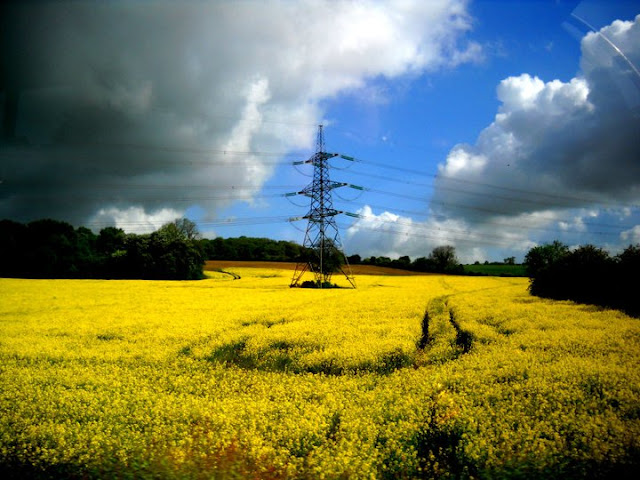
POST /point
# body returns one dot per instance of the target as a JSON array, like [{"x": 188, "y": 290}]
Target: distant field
[
  {"x": 497, "y": 270},
  {"x": 213, "y": 265},
  {"x": 491, "y": 270},
  {"x": 407, "y": 376}
]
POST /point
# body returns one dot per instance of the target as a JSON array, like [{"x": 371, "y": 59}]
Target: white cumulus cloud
[
  {"x": 136, "y": 219},
  {"x": 560, "y": 147}
]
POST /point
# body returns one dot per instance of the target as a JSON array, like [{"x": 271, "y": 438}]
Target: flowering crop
[{"x": 249, "y": 378}]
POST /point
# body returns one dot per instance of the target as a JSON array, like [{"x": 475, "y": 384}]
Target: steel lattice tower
[{"x": 322, "y": 238}]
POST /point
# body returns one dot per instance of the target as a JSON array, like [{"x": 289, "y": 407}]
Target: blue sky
[{"x": 490, "y": 126}]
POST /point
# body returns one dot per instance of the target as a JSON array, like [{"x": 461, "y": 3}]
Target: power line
[
  {"x": 466, "y": 192},
  {"x": 224, "y": 222},
  {"x": 449, "y": 205},
  {"x": 229, "y": 153},
  {"x": 246, "y": 193},
  {"x": 464, "y": 207},
  {"x": 393, "y": 210},
  {"x": 249, "y": 192},
  {"x": 566, "y": 198},
  {"x": 184, "y": 198},
  {"x": 417, "y": 230},
  {"x": 188, "y": 198},
  {"x": 420, "y": 226}
]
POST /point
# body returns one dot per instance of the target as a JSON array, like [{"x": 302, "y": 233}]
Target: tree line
[
  {"x": 587, "y": 274},
  {"x": 252, "y": 249},
  {"x": 442, "y": 259},
  {"x": 54, "y": 249}
]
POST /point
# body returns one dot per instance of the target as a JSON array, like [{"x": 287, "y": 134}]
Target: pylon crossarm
[
  {"x": 317, "y": 216},
  {"x": 325, "y": 155}
]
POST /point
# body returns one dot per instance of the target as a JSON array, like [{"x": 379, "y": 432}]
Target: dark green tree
[
  {"x": 187, "y": 228},
  {"x": 586, "y": 274},
  {"x": 383, "y": 261},
  {"x": 510, "y": 261},
  {"x": 110, "y": 240},
  {"x": 543, "y": 256},
  {"x": 175, "y": 251},
  {"x": 626, "y": 275},
  {"x": 355, "y": 259},
  {"x": 51, "y": 249},
  {"x": 402, "y": 262},
  {"x": 422, "y": 264},
  {"x": 87, "y": 260},
  {"x": 444, "y": 260},
  {"x": 13, "y": 240}
]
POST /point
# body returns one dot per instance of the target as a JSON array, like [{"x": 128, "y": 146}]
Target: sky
[{"x": 491, "y": 126}]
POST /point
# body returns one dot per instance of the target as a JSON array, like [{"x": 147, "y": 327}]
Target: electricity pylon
[{"x": 322, "y": 239}]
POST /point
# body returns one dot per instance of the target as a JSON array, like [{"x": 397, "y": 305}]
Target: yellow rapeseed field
[{"x": 405, "y": 377}]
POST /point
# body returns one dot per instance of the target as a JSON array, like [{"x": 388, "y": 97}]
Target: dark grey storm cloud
[{"x": 109, "y": 108}]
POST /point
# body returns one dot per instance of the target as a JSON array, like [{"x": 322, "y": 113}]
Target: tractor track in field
[{"x": 463, "y": 339}]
